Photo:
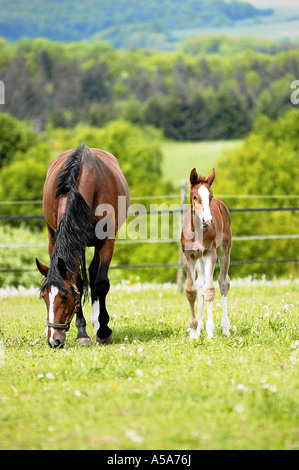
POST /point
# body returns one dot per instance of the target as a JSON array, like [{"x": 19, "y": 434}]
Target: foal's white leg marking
[
  {"x": 210, "y": 324},
  {"x": 95, "y": 312},
  {"x": 205, "y": 195},
  {"x": 200, "y": 306},
  {"x": 225, "y": 324},
  {"x": 53, "y": 292}
]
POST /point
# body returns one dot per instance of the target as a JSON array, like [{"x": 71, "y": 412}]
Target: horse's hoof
[
  {"x": 104, "y": 341},
  {"x": 83, "y": 341}
]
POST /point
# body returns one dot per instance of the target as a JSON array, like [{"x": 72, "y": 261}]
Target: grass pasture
[
  {"x": 181, "y": 157},
  {"x": 153, "y": 388}
]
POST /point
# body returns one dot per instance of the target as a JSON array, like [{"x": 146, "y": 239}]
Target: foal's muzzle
[{"x": 207, "y": 223}]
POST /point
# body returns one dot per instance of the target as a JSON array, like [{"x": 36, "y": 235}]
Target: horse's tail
[{"x": 78, "y": 221}]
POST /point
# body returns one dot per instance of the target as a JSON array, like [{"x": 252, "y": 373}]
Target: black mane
[
  {"x": 73, "y": 233},
  {"x": 68, "y": 176}
]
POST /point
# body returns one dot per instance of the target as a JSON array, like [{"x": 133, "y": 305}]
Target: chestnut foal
[{"x": 206, "y": 235}]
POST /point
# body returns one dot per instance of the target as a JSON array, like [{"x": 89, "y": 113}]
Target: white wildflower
[
  {"x": 242, "y": 387},
  {"x": 131, "y": 434},
  {"x": 239, "y": 408}
]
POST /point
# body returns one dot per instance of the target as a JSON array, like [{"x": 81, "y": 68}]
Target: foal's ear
[
  {"x": 211, "y": 177},
  {"x": 193, "y": 177},
  {"x": 62, "y": 268},
  {"x": 42, "y": 268}
]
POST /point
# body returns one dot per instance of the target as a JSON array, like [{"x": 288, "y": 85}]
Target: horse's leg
[
  {"x": 191, "y": 293},
  {"x": 51, "y": 238},
  {"x": 95, "y": 303},
  {"x": 82, "y": 337},
  {"x": 223, "y": 252},
  {"x": 209, "y": 289},
  {"x": 102, "y": 286},
  {"x": 200, "y": 281}
]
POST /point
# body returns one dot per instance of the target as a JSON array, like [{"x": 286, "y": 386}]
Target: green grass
[
  {"x": 181, "y": 157},
  {"x": 153, "y": 388}
]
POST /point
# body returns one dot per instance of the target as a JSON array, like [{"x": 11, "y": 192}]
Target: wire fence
[{"x": 181, "y": 211}]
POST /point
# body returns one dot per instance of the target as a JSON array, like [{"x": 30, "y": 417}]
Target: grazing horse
[
  {"x": 206, "y": 235},
  {"x": 78, "y": 184}
]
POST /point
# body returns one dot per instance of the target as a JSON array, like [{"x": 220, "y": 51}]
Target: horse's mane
[{"x": 73, "y": 233}]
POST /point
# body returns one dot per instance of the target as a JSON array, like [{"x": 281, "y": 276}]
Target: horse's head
[
  {"x": 201, "y": 196},
  {"x": 62, "y": 298}
]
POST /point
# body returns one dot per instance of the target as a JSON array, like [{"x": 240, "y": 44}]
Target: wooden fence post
[{"x": 180, "y": 272}]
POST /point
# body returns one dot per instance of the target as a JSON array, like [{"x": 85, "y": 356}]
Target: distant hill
[{"x": 123, "y": 23}]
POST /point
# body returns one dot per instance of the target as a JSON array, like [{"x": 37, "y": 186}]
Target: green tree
[
  {"x": 266, "y": 165},
  {"x": 15, "y": 136}
]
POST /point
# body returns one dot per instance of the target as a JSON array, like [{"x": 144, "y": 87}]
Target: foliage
[
  {"x": 15, "y": 137},
  {"x": 265, "y": 165},
  {"x": 195, "y": 92},
  {"x": 122, "y": 23},
  {"x": 22, "y": 180},
  {"x": 19, "y": 261},
  {"x": 159, "y": 390}
]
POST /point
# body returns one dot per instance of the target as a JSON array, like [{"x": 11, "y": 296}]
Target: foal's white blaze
[
  {"x": 204, "y": 194},
  {"x": 95, "y": 312},
  {"x": 53, "y": 292}
]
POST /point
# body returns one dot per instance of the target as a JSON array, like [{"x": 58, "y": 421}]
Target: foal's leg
[
  {"x": 191, "y": 293},
  {"x": 200, "y": 282},
  {"x": 209, "y": 290},
  {"x": 223, "y": 253}
]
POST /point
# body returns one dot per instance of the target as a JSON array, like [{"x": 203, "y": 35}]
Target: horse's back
[{"x": 100, "y": 180}]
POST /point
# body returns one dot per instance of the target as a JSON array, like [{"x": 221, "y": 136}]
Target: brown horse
[
  {"x": 206, "y": 235},
  {"x": 83, "y": 187}
]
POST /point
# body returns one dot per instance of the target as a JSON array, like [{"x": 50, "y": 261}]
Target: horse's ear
[
  {"x": 193, "y": 177},
  {"x": 211, "y": 177},
  {"x": 42, "y": 268},
  {"x": 62, "y": 268}
]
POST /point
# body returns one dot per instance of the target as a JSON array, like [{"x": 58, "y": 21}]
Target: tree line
[{"x": 193, "y": 93}]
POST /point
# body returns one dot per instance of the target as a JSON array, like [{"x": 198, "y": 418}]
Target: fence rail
[
  {"x": 166, "y": 265},
  {"x": 182, "y": 211},
  {"x": 162, "y": 211}
]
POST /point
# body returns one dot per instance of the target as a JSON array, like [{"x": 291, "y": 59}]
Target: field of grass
[
  {"x": 181, "y": 157},
  {"x": 153, "y": 388}
]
